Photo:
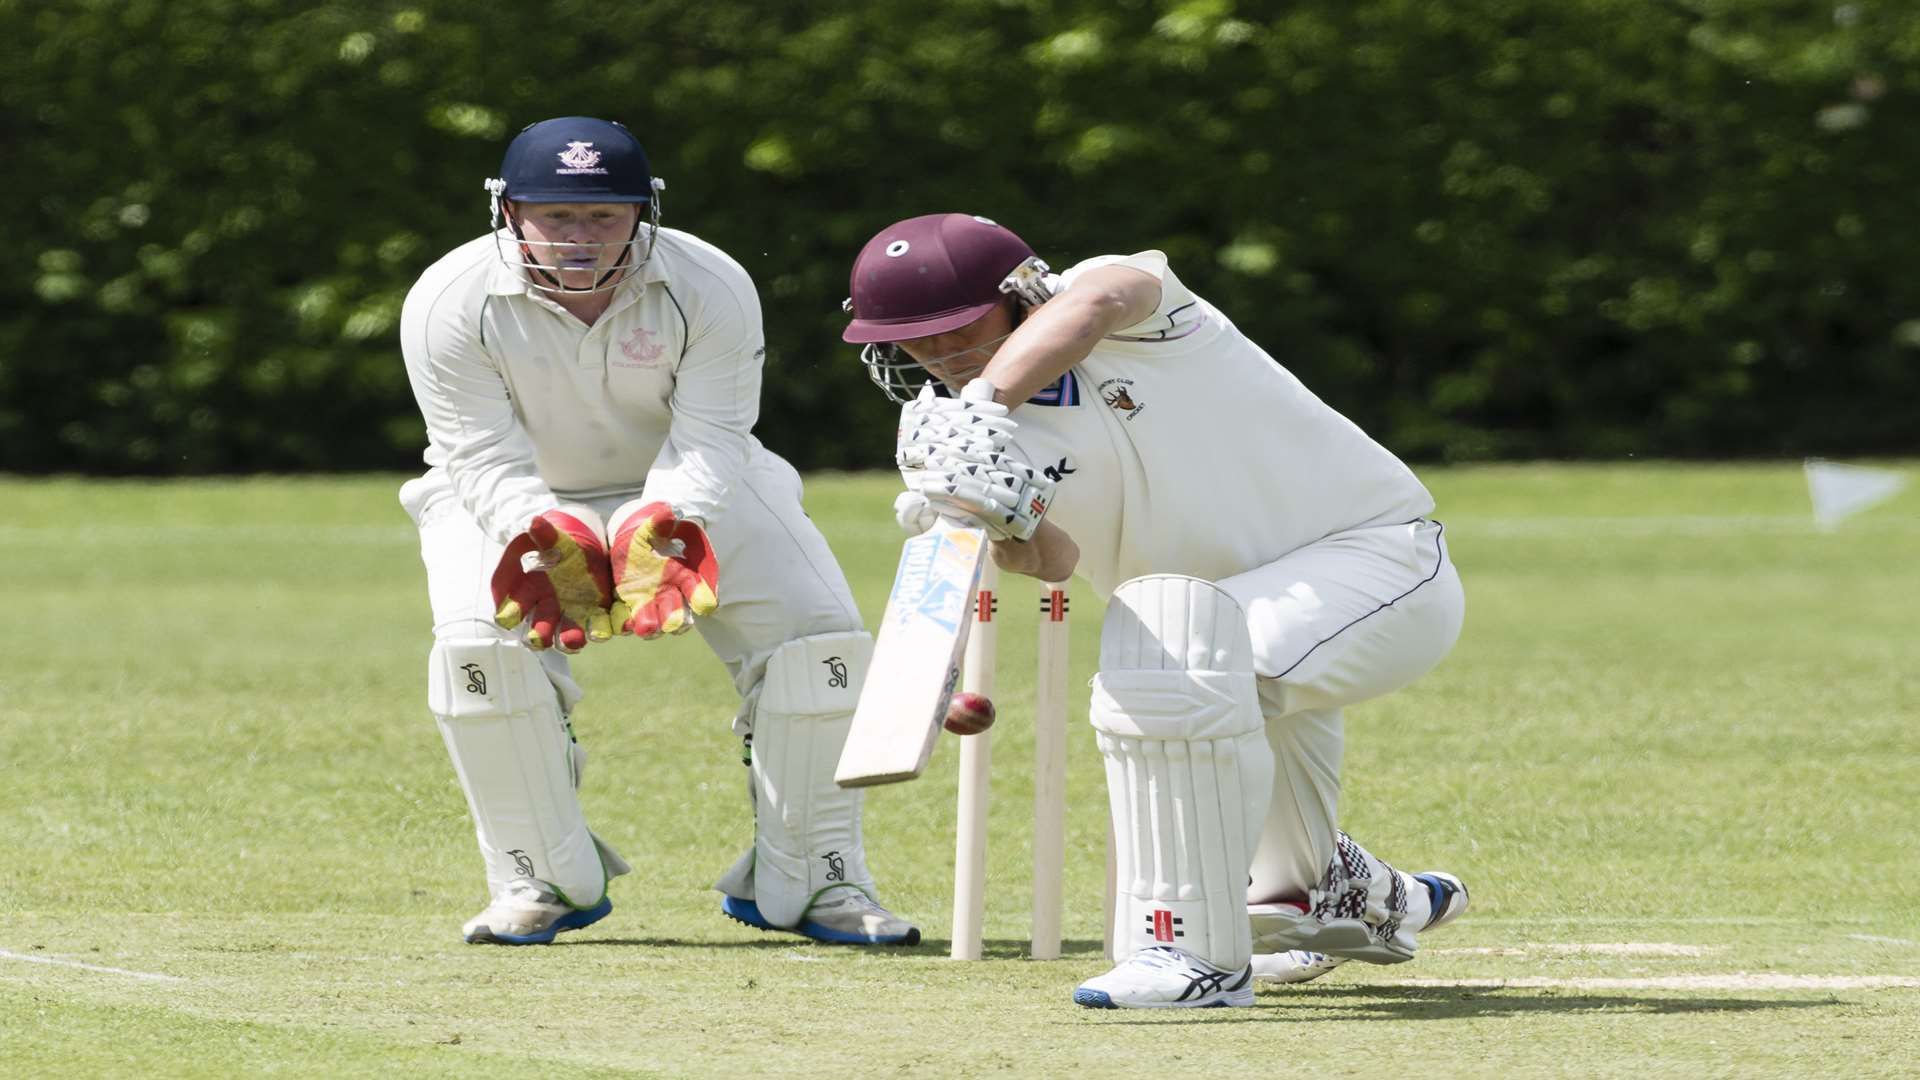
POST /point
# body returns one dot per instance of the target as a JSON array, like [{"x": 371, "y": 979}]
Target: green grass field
[{"x": 1674, "y": 755}]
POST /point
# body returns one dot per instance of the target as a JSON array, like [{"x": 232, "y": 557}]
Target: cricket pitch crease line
[
  {"x": 1738, "y": 980},
  {"x": 1684, "y": 920},
  {"x": 8, "y": 954},
  {"x": 1623, "y": 948},
  {"x": 1878, "y": 940}
]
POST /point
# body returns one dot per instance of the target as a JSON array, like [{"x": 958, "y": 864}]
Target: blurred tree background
[{"x": 1481, "y": 228}]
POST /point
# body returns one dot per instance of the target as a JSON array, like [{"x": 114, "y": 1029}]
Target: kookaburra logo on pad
[
  {"x": 476, "y": 678},
  {"x": 836, "y": 671}
]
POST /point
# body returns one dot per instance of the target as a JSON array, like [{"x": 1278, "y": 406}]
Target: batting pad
[
  {"x": 500, "y": 717},
  {"x": 806, "y": 827},
  {"x": 1189, "y": 771}
]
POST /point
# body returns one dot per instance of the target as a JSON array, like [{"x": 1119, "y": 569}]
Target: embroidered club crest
[
  {"x": 641, "y": 350},
  {"x": 579, "y": 155}
]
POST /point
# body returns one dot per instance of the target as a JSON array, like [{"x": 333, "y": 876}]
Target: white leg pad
[
  {"x": 806, "y": 827},
  {"x": 1189, "y": 771},
  {"x": 500, "y": 717}
]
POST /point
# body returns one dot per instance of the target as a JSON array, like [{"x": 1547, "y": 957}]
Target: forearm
[
  {"x": 1050, "y": 556},
  {"x": 1061, "y": 332},
  {"x": 1054, "y": 337}
]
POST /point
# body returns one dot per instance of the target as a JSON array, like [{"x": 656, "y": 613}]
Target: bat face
[{"x": 916, "y": 658}]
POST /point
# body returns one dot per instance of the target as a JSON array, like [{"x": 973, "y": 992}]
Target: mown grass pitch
[{"x": 1675, "y": 756}]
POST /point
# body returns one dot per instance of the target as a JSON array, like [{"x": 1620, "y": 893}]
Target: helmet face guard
[
  {"x": 524, "y": 255},
  {"x": 573, "y": 159}
]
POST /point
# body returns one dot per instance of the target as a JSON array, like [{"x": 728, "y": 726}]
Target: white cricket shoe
[
  {"x": 1164, "y": 977},
  {"x": 843, "y": 915},
  {"x": 528, "y": 912},
  {"x": 1293, "y": 966},
  {"x": 1329, "y": 927}
]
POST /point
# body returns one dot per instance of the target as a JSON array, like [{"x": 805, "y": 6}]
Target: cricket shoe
[
  {"x": 528, "y": 912},
  {"x": 843, "y": 915},
  {"x": 1164, "y": 977},
  {"x": 1327, "y": 927},
  {"x": 1293, "y": 966}
]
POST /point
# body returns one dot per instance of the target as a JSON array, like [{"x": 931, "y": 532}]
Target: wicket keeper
[{"x": 590, "y": 382}]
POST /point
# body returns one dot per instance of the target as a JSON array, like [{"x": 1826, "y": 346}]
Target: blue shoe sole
[
  {"x": 748, "y": 912},
  {"x": 1093, "y": 999},
  {"x": 1100, "y": 999},
  {"x": 572, "y": 920}
]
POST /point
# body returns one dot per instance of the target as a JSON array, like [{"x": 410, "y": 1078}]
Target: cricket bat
[{"x": 916, "y": 658}]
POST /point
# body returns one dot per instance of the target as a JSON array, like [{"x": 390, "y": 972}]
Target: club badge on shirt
[
  {"x": 640, "y": 350},
  {"x": 1118, "y": 393}
]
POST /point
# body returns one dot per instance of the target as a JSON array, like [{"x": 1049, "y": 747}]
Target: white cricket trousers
[{"x": 1344, "y": 619}]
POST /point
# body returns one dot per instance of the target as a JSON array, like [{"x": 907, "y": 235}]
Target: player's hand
[
  {"x": 973, "y": 423},
  {"x": 1006, "y": 497},
  {"x": 555, "y": 577},
  {"x": 664, "y": 572}
]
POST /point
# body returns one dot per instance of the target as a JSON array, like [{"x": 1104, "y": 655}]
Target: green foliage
[{"x": 1487, "y": 228}]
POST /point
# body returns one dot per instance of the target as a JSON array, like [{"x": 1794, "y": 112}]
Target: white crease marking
[
  {"x": 6, "y": 954},
  {"x": 1624, "y": 948},
  {"x": 1883, "y": 940},
  {"x": 1738, "y": 980}
]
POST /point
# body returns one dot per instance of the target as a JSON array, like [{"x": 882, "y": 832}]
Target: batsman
[
  {"x": 1265, "y": 564},
  {"x": 590, "y": 381}
]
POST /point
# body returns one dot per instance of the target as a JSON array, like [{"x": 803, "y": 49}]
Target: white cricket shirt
[
  {"x": 1182, "y": 447},
  {"x": 525, "y": 405}
]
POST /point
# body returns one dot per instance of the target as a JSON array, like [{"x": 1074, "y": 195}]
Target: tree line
[{"x": 1484, "y": 229}]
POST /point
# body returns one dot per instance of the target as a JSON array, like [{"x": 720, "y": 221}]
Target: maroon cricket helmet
[{"x": 928, "y": 275}]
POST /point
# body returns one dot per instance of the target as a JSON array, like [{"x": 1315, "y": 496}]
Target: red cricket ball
[{"x": 969, "y": 714}]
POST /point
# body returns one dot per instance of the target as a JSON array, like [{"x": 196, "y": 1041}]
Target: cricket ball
[{"x": 969, "y": 714}]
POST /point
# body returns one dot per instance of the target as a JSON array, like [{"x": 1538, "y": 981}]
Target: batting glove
[
  {"x": 664, "y": 571},
  {"x": 555, "y": 577},
  {"x": 973, "y": 423},
  {"x": 914, "y": 513},
  {"x": 1006, "y": 497}
]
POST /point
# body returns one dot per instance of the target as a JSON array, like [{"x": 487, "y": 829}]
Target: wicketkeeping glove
[
  {"x": 664, "y": 572},
  {"x": 555, "y": 577}
]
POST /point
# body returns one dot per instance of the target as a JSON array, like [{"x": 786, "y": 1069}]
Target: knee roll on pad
[
  {"x": 500, "y": 717},
  {"x": 806, "y": 827},
  {"x": 1189, "y": 771}
]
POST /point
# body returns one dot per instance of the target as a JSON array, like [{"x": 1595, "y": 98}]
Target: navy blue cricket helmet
[{"x": 575, "y": 159}]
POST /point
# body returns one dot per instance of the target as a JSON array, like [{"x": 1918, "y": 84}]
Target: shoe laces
[{"x": 1160, "y": 956}]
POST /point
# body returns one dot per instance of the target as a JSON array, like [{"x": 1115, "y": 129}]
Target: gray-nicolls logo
[
  {"x": 521, "y": 863},
  {"x": 836, "y": 671},
  {"x": 836, "y": 866},
  {"x": 1058, "y": 472},
  {"x": 476, "y": 678}
]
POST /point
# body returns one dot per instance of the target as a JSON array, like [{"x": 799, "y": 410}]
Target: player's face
[
  {"x": 578, "y": 242},
  {"x": 958, "y": 356}
]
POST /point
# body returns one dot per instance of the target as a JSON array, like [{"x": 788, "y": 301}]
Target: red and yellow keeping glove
[
  {"x": 664, "y": 571},
  {"x": 565, "y": 589}
]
